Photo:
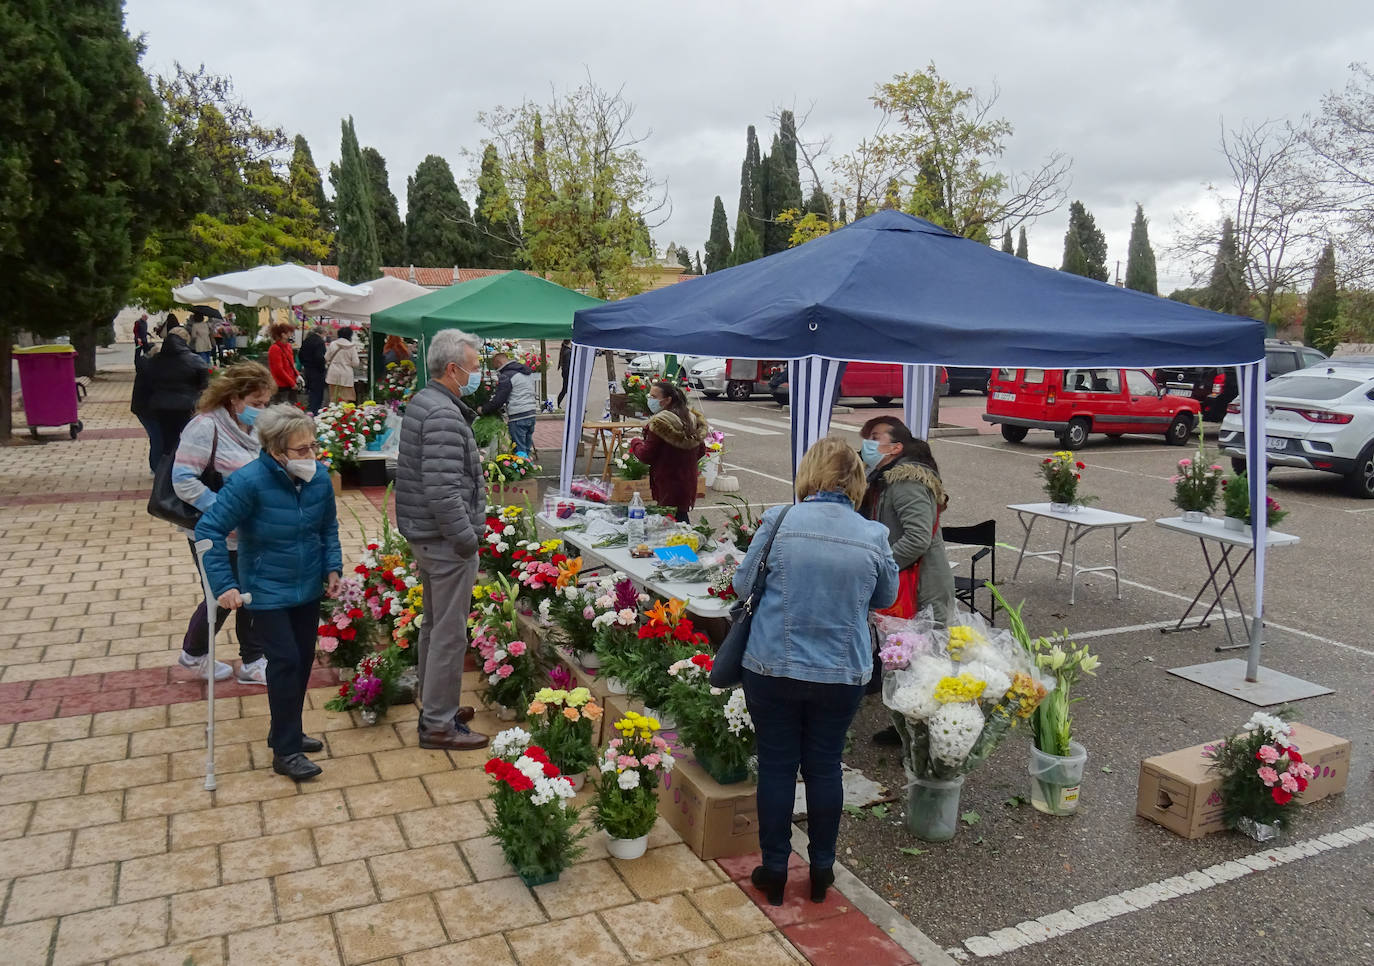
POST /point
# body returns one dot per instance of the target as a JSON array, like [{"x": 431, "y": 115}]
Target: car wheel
[
  {"x": 1014, "y": 434},
  {"x": 711, "y": 395},
  {"x": 1076, "y": 434},
  {"x": 738, "y": 390},
  {"x": 1179, "y": 430},
  {"x": 1361, "y": 478},
  {"x": 883, "y": 400}
]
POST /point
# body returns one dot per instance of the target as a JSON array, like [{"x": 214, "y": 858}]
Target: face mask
[
  {"x": 249, "y": 416},
  {"x": 869, "y": 453},
  {"x": 303, "y": 470},
  {"x": 472, "y": 385},
  {"x": 655, "y": 404}
]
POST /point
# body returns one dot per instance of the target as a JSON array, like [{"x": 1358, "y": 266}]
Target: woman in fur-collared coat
[{"x": 673, "y": 443}]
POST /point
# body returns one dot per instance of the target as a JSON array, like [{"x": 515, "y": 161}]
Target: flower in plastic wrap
[
  {"x": 998, "y": 680},
  {"x": 954, "y": 729},
  {"x": 962, "y": 689}
]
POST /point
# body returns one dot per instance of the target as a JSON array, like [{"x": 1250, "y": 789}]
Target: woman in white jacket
[{"x": 340, "y": 359}]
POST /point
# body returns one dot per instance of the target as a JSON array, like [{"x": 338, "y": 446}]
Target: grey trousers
[{"x": 448, "y": 579}]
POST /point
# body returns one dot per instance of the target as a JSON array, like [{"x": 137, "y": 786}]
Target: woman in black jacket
[
  {"x": 313, "y": 368},
  {"x": 175, "y": 378}
]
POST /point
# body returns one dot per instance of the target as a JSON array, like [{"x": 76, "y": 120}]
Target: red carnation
[
  {"x": 325, "y": 630},
  {"x": 1280, "y": 796},
  {"x": 518, "y": 781},
  {"x": 360, "y": 569},
  {"x": 1302, "y": 783},
  {"x": 354, "y": 613},
  {"x": 373, "y": 546},
  {"x": 343, "y": 690},
  {"x": 683, "y": 631},
  {"x": 535, "y": 753},
  {"x": 1294, "y": 757},
  {"x": 703, "y": 661},
  {"x": 1081, "y": 466},
  {"x": 550, "y": 770},
  {"x": 348, "y": 634}
]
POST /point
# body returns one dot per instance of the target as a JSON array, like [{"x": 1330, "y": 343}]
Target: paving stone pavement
[{"x": 112, "y": 851}]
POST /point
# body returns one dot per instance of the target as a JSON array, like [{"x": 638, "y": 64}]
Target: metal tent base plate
[{"x": 1228, "y": 677}]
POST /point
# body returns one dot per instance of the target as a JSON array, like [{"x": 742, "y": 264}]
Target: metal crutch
[{"x": 202, "y": 548}]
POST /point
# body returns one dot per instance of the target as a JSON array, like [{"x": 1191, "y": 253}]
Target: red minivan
[{"x": 1075, "y": 402}]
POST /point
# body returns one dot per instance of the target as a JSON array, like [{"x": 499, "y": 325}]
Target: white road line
[
  {"x": 835, "y": 424},
  {"x": 1129, "y": 629},
  {"x": 739, "y": 427},
  {"x": 1086, "y": 914},
  {"x": 769, "y": 421},
  {"x": 766, "y": 476}
]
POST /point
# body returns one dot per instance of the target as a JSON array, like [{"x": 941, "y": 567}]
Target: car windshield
[{"x": 1310, "y": 387}]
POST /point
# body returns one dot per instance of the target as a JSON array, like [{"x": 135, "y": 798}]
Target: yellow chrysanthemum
[
  {"x": 960, "y": 637},
  {"x": 964, "y": 688}
]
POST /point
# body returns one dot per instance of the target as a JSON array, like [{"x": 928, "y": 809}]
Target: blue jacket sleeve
[
  {"x": 885, "y": 590},
  {"x": 237, "y": 502},
  {"x": 499, "y": 395},
  {"x": 333, "y": 554}
]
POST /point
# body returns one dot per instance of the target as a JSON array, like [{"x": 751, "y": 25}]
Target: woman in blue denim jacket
[{"x": 809, "y": 653}]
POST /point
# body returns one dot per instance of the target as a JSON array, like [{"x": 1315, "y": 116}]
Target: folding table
[{"x": 1078, "y": 523}]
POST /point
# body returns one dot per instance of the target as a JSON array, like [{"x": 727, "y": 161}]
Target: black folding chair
[{"x": 984, "y": 536}]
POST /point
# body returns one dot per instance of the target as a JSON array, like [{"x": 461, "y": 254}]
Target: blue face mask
[
  {"x": 869, "y": 453},
  {"x": 249, "y": 416},
  {"x": 472, "y": 385},
  {"x": 655, "y": 404}
]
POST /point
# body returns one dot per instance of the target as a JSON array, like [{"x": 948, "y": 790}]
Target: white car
[
  {"x": 1320, "y": 418},
  {"x": 651, "y": 363}
]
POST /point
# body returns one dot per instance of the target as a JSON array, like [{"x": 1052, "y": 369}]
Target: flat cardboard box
[
  {"x": 1180, "y": 791},
  {"x": 714, "y": 820}
]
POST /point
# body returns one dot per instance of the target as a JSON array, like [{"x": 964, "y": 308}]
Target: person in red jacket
[
  {"x": 281, "y": 359},
  {"x": 674, "y": 440}
]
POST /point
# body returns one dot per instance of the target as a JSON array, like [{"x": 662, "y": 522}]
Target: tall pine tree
[
  {"x": 498, "y": 238},
  {"x": 437, "y": 217},
  {"x": 359, "y": 259},
  {"x": 718, "y": 245},
  {"x": 386, "y": 217},
  {"x": 1090, "y": 244},
  {"x": 1022, "y": 249},
  {"x": 750, "y": 212},
  {"x": 1006, "y": 242},
  {"x": 1226, "y": 289},
  {"x": 1323, "y": 302},
  {"x": 1140, "y": 257}
]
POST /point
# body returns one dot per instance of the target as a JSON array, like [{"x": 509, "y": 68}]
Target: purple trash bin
[{"x": 47, "y": 378}]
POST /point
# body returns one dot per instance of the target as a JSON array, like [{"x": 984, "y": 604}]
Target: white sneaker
[
  {"x": 201, "y": 666},
  {"x": 254, "y": 672}
]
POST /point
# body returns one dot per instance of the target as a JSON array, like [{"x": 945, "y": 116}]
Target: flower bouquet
[
  {"x": 713, "y": 722},
  {"x": 561, "y": 724},
  {"x": 538, "y": 568},
  {"x": 615, "y": 626},
  {"x": 742, "y": 524},
  {"x": 1196, "y": 484},
  {"x": 536, "y": 362},
  {"x": 531, "y": 820},
  {"x": 374, "y": 687},
  {"x": 636, "y": 389},
  {"x": 397, "y": 384},
  {"x": 506, "y": 468},
  {"x": 347, "y": 630},
  {"x": 630, "y": 467},
  {"x": 511, "y": 666},
  {"x": 722, "y": 586},
  {"x": 1262, "y": 772},
  {"x": 954, "y": 694},
  {"x": 626, "y": 805},
  {"x": 1235, "y": 498},
  {"x": 1061, "y": 474}
]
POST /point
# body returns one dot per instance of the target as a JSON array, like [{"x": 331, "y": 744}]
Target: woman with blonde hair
[
  {"x": 808, "y": 655},
  {"x": 219, "y": 440}
]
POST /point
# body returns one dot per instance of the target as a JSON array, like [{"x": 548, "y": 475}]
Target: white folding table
[
  {"x": 1215, "y": 531},
  {"x": 1078, "y": 523}
]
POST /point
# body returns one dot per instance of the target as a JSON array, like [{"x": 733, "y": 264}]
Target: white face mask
[{"x": 303, "y": 470}]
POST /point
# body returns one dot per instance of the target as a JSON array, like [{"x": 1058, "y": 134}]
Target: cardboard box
[
  {"x": 1180, "y": 791},
  {"x": 524, "y": 493},
  {"x": 714, "y": 820},
  {"x": 622, "y": 491}
]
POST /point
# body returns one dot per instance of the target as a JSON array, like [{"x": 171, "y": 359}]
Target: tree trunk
[
  {"x": 6, "y": 382},
  {"x": 83, "y": 341}
]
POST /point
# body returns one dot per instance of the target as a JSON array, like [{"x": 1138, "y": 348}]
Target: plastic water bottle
[{"x": 634, "y": 529}]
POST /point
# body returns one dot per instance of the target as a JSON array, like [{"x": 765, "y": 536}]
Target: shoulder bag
[
  {"x": 163, "y": 501},
  {"x": 728, "y": 669}
]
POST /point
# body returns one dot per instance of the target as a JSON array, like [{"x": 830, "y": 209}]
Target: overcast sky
[{"x": 1134, "y": 93}]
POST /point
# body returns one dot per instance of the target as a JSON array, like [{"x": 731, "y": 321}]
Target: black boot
[
  {"x": 821, "y": 880},
  {"x": 770, "y": 883}
]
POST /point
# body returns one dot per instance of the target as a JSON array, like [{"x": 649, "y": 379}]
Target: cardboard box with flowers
[
  {"x": 1262, "y": 773},
  {"x": 563, "y": 723},
  {"x": 713, "y": 722},
  {"x": 508, "y": 529},
  {"x": 531, "y": 819},
  {"x": 626, "y": 805},
  {"x": 510, "y": 665}
]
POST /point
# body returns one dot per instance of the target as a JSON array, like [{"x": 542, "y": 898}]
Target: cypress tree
[
  {"x": 1323, "y": 301},
  {"x": 359, "y": 259},
  {"x": 1140, "y": 257},
  {"x": 782, "y": 185},
  {"x": 818, "y": 203},
  {"x": 696, "y": 264},
  {"x": 498, "y": 224},
  {"x": 1006, "y": 242},
  {"x": 684, "y": 258},
  {"x": 747, "y": 244},
  {"x": 1075, "y": 262},
  {"x": 718, "y": 245},
  {"x": 1091, "y": 244},
  {"x": 750, "y": 209},
  {"x": 1226, "y": 289},
  {"x": 437, "y": 217},
  {"x": 1022, "y": 249},
  {"x": 306, "y": 182},
  {"x": 386, "y": 217}
]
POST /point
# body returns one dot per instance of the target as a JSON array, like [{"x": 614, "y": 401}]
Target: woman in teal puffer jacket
[{"x": 282, "y": 507}]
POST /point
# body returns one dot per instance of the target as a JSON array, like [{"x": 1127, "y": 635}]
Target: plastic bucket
[
  {"x": 932, "y": 808},
  {"x": 1055, "y": 779}
]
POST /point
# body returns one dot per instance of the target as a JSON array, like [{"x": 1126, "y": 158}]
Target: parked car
[
  {"x": 1074, "y": 403},
  {"x": 880, "y": 381},
  {"x": 1315, "y": 419},
  {"x": 708, "y": 376},
  {"x": 963, "y": 377},
  {"x": 1215, "y": 387},
  {"x": 652, "y": 363}
]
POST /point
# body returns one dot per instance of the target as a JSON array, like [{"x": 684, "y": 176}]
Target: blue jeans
[
  {"x": 154, "y": 430},
  {"x": 522, "y": 434},
  {"x": 206, "y": 356},
  {"x": 288, "y": 639},
  {"x": 799, "y": 723}
]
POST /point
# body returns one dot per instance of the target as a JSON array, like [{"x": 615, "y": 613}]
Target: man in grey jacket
[{"x": 441, "y": 509}]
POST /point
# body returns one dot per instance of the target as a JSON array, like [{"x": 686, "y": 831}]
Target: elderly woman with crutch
[{"x": 282, "y": 507}]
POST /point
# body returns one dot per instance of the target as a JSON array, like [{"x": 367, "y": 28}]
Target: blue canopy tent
[{"x": 895, "y": 288}]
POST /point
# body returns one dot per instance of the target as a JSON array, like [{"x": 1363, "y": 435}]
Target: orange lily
[
  {"x": 675, "y": 610},
  {"x": 568, "y": 571},
  {"x": 658, "y": 614}
]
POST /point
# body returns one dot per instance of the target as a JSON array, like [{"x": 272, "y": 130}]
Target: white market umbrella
[
  {"x": 274, "y": 286},
  {"x": 386, "y": 293}
]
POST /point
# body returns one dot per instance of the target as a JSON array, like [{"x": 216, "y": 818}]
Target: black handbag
[
  {"x": 163, "y": 501},
  {"x": 728, "y": 669}
]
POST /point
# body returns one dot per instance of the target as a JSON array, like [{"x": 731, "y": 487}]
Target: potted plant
[
  {"x": 347, "y": 629},
  {"x": 1057, "y": 761},
  {"x": 561, "y": 723},
  {"x": 373, "y": 688},
  {"x": 509, "y": 477},
  {"x": 1262, "y": 773},
  {"x": 615, "y": 624},
  {"x": 632, "y": 766},
  {"x": 743, "y": 523},
  {"x": 1236, "y": 501},
  {"x": 1197, "y": 485},
  {"x": 1061, "y": 474},
  {"x": 713, "y": 722},
  {"x": 631, "y": 477},
  {"x": 530, "y": 817},
  {"x": 665, "y": 637},
  {"x": 511, "y": 667}
]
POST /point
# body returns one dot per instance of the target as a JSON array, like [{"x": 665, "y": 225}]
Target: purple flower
[
  {"x": 366, "y": 689},
  {"x": 626, "y": 595},
  {"x": 561, "y": 678}
]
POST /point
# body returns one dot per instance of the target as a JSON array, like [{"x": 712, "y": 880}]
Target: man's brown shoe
[
  {"x": 460, "y": 738},
  {"x": 465, "y": 714}
]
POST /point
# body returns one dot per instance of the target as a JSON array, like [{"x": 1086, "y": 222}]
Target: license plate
[
  {"x": 1275, "y": 443},
  {"x": 1180, "y": 391},
  {"x": 1005, "y": 396}
]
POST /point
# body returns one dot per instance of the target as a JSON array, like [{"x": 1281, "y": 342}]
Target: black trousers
[
  {"x": 196, "y": 642},
  {"x": 288, "y": 639}
]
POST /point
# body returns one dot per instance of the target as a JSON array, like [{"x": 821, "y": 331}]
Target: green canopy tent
[{"x": 512, "y": 305}]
